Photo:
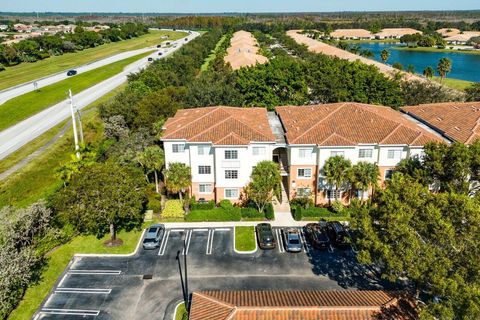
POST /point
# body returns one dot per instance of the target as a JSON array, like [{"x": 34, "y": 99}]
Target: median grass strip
[
  {"x": 245, "y": 239},
  {"x": 30, "y": 71},
  {"x": 181, "y": 311},
  {"x": 212, "y": 55},
  {"x": 26, "y": 105}
]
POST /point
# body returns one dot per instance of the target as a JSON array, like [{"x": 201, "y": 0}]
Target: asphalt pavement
[
  {"x": 15, "y": 137},
  {"x": 147, "y": 285}
]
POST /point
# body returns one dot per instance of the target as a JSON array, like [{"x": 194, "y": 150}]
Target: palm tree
[
  {"x": 411, "y": 68},
  {"x": 336, "y": 170},
  {"x": 178, "y": 178},
  {"x": 444, "y": 67},
  {"x": 364, "y": 175},
  {"x": 385, "y": 55},
  {"x": 428, "y": 72},
  {"x": 152, "y": 159}
]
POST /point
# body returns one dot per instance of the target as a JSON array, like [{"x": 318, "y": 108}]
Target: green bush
[
  {"x": 337, "y": 206},
  {"x": 269, "y": 213},
  {"x": 251, "y": 213},
  {"x": 297, "y": 213},
  {"x": 225, "y": 204},
  {"x": 173, "y": 209},
  {"x": 304, "y": 202},
  {"x": 202, "y": 206},
  {"x": 216, "y": 214},
  {"x": 155, "y": 205}
]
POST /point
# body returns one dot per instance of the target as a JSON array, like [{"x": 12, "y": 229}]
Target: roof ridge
[
  {"x": 473, "y": 134},
  {"x": 391, "y": 133},
  {"x": 221, "y": 302},
  {"x": 321, "y": 121},
  {"x": 196, "y": 120},
  {"x": 210, "y": 128},
  {"x": 255, "y": 129},
  {"x": 232, "y": 313},
  {"x": 234, "y": 135}
]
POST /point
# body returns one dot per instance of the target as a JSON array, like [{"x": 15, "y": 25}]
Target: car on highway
[
  {"x": 159, "y": 45},
  {"x": 338, "y": 234},
  {"x": 292, "y": 240},
  {"x": 150, "y": 59},
  {"x": 316, "y": 234},
  {"x": 160, "y": 53},
  {"x": 186, "y": 39},
  {"x": 71, "y": 72},
  {"x": 153, "y": 236},
  {"x": 265, "y": 237}
]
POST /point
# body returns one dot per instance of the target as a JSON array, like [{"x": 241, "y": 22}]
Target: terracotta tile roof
[
  {"x": 396, "y": 32},
  {"x": 349, "y": 124},
  {"x": 243, "y": 51},
  {"x": 459, "y": 121},
  {"x": 220, "y": 125},
  {"x": 350, "y": 33},
  {"x": 465, "y": 36},
  {"x": 292, "y": 305}
]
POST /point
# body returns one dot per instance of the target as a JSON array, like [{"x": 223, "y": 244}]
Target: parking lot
[{"x": 147, "y": 284}]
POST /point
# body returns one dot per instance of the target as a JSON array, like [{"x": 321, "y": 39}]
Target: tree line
[{"x": 38, "y": 48}]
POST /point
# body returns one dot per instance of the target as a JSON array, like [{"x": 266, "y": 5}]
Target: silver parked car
[
  {"x": 292, "y": 240},
  {"x": 153, "y": 236}
]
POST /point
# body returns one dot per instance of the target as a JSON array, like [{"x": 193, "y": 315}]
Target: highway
[{"x": 15, "y": 137}]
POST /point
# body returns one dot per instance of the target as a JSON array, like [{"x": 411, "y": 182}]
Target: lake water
[{"x": 464, "y": 66}]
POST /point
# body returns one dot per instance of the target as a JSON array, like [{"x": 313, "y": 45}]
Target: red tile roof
[
  {"x": 220, "y": 125},
  {"x": 460, "y": 121},
  {"x": 291, "y": 305},
  {"x": 349, "y": 124}
]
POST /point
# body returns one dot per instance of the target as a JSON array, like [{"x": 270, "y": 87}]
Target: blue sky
[{"x": 203, "y": 6}]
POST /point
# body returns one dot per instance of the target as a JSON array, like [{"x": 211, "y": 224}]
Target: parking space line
[
  {"x": 163, "y": 245},
  {"x": 330, "y": 248},
  {"x": 211, "y": 233},
  {"x": 281, "y": 248},
  {"x": 223, "y": 229},
  {"x": 177, "y": 230},
  {"x": 204, "y": 229},
  {"x": 71, "y": 312},
  {"x": 83, "y": 290},
  {"x": 188, "y": 237},
  {"x": 306, "y": 247},
  {"x": 88, "y": 272},
  {"x": 63, "y": 279}
]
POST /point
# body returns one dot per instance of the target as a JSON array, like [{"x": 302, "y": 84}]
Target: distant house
[
  {"x": 448, "y": 32},
  {"x": 305, "y": 305},
  {"x": 395, "y": 33},
  {"x": 462, "y": 38},
  {"x": 20, "y": 27},
  {"x": 351, "y": 34},
  {"x": 243, "y": 51},
  {"x": 3, "y": 27}
]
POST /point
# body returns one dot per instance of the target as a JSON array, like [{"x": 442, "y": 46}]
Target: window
[
  {"x": 231, "y": 193},
  {"x": 394, "y": 154},
  {"x": 334, "y": 194},
  {"x": 389, "y": 174},
  {"x": 203, "y": 150},
  {"x": 304, "y": 153},
  {"x": 178, "y": 148},
  {"x": 231, "y": 154},
  {"x": 259, "y": 151},
  {"x": 205, "y": 188},
  {"x": 361, "y": 194},
  {"x": 204, "y": 170},
  {"x": 337, "y": 153},
  {"x": 304, "y": 173},
  {"x": 365, "y": 153},
  {"x": 303, "y": 192},
  {"x": 231, "y": 174}
]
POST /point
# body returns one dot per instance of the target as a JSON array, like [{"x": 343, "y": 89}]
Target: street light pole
[
  {"x": 74, "y": 124},
  {"x": 187, "y": 304}
]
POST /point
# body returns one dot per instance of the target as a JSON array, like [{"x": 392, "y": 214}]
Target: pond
[{"x": 464, "y": 66}]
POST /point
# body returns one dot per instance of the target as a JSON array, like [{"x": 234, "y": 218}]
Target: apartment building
[{"x": 223, "y": 144}]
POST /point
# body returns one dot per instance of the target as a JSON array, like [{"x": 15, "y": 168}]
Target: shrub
[
  {"x": 202, "y": 206},
  {"x": 216, "y": 214},
  {"x": 297, "y": 213},
  {"x": 269, "y": 213},
  {"x": 225, "y": 204},
  {"x": 316, "y": 212},
  {"x": 2, "y": 68},
  {"x": 155, "y": 205},
  {"x": 304, "y": 202},
  {"x": 173, "y": 209},
  {"x": 337, "y": 206},
  {"x": 251, "y": 213}
]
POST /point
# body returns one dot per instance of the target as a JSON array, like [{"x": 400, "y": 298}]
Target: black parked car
[
  {"x": 265, "y": 237},
  {"x": 338, "y": 235},
  {"x": 316, "y": 234},
  {"x": 71, "y": 72}
]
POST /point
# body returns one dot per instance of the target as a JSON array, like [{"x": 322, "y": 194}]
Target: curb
[
  {"x": 176, "y": 308},
  {"x": 245, "y": 252}
]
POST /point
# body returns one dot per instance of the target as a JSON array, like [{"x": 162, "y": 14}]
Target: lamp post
[{"x": 186, "y": 297}]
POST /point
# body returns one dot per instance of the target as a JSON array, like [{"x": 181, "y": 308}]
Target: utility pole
[
  {"x": 74, "y": 124},
  {"x": 80, "y": 125}
]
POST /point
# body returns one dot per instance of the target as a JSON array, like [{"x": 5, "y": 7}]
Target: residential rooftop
[
  {"x": 458, "y": 121},
  {"x": 351, "y": 33},
  {"x": 243, "y": 51},
  {"x": 396, "y": 32}
]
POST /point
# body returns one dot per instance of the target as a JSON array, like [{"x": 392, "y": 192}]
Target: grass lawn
[
  {"x": 433, "y": 49},
  {"x": 38, "y": 178},
  {"x": 57, "y": 261},
  {"x": 180, "y": 311},
  {"x": 455, "y": 83},
  {"x": 245, "y": 238},
  {"x": 28, "y": 104},
  {"x": 212, "y": 55},
  {"x": 25, "y": 72}
]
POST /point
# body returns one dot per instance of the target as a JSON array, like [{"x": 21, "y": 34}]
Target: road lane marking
[
  {"x": 71, "y": 312},
  {"x": 211, "y": 233},
  {"x": 163, "y": 245},
  {"x": 83, "y": 290},
  {"x": 88, "y": 272},
  {"x": 188, "y": 237}
]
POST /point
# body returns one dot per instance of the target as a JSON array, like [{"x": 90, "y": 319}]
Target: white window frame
[
  {"x": 231, "y": 197},
  {"x": 229, "y": 154},
  {"x": 393, "y": 154},
  {"x": 203, "y": 150},
  {"x": 231, "y": 172},
  {"x": 365, "y": 153},
  {"x": 304, "y": 176},
  {"x": 259, "y": 151},
  {"x": 306, "y": 192},
  {"x": 207, "y": 186},
  {"x": 205, "y": 167},
  {"x": 305, "y": 153},
  {"x": 180, "y": 147},
  {"x": 337, "y": 153},
  {"x": 331, "y": 194}
]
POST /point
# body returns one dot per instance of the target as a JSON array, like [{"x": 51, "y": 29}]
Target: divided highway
[{"x": 15, "y": 137}]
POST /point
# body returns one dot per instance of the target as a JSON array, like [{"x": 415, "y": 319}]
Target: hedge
[
  {"x": 269, "y": 213},
  {"x": 216, "y": 214},
  {"x": 251, "y": 213},
  {"x": 173, "y": 209},
  {"x": 202, "y": 205},
  {"x": 313, "y": 212}
]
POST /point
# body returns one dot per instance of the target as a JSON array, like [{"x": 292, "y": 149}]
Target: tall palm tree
[
  {"x": 364, "y": 175},
  {"x": 152, "y": 159},
  {"x": 178, "y": 177},
  {"x": 385, "y": 55},
  {"x": 444, "y": 67},
  {"x": 336, "y": 170}
]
